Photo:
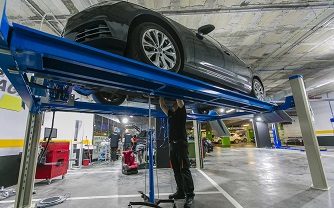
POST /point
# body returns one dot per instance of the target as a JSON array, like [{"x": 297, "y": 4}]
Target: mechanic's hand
[{"x": 162, "y": 100}]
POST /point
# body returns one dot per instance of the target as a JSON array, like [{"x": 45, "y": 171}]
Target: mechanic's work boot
[
  {"x": 177, "y": 195},
  {"x": 189, "y": 200}
]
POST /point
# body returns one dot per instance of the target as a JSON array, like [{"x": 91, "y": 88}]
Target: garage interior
[{"x": 243, "y": 152}]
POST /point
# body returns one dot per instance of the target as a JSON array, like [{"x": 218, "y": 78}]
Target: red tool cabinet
[{"x": 57, "y": 158}]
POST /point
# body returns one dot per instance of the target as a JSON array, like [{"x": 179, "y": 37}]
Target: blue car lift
[{"x": 44, "y": 69}]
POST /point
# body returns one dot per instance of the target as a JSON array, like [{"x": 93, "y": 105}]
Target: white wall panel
[{"x": 65, "y": 124}]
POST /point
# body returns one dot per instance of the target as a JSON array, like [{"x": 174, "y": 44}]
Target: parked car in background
[
  {"x": 217, "y": 140},
  {"x": 298, "y": 141},
  {"x": 208, "y": 146},
  {"x": 236, "y": 138},
  {"x": 136, "y": 32}
]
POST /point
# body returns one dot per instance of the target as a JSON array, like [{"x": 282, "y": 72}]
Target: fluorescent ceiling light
[
  {"x": 230, "y": 110},
  {"x": 222, "y": 110},
  {"x": 320, "y": 85}
]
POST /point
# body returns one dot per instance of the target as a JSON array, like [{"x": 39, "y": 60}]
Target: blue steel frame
[
  {"x": 277, "y": 141},
  {"x": 25, "y": 51}
]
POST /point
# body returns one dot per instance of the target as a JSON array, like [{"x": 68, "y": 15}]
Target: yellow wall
[
  {"x": 18, "y": 143},
  {"x": 324, "y": 132}
]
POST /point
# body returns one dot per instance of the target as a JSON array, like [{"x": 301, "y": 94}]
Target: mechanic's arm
[
  {"x": 180, "y": 103},
  {"x": 163, "y": 105}
]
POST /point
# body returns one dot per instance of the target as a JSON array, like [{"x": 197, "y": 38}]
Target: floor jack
[{"x": 150, "y": 201}]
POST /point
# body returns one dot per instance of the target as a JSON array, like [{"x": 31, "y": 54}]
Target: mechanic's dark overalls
[{"x": 179, "y": 151}]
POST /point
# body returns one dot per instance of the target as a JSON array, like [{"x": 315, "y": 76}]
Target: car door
[
  {"x": 241, "y": 72},
  {"x": 244, "y": 74},
  {"x": 211, "y": 61}
]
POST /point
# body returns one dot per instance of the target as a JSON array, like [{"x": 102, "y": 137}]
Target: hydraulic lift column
[
  {"x": 28, "y": 165},
  {"x": 309, "y": 137},
  {"x": 198, "y": 144},
  {"x": 261, "y": 133}
]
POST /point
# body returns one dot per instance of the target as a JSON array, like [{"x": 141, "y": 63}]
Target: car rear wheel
[
  {"x": 153, "y": 44},
  {"x": 258, "y": 89},
  {"x": 109, "y": 98}
]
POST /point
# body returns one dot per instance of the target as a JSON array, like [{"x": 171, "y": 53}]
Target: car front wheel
[
  {"x": 109, "y": 98},
  {"x": 258, "y": 89},
  {"x": 153, "y": 44}
]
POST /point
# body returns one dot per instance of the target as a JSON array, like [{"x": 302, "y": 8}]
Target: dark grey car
[{"x": 142, "y": 34}]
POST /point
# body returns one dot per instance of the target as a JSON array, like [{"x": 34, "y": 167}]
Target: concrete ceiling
[{"x": 277, "y": 37}]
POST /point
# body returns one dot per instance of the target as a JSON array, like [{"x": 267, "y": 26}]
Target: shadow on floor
[{"x": 300, "y": 199}]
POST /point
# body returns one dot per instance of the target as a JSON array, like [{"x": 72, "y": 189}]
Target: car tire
[
  {"x": 258, "y": 89},
  {"x": 154, "y": 45},
  {"x": 245, "y": 140},
  {"x": 109, "y": 98}
]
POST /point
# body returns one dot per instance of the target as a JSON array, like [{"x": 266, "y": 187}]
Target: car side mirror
[{"x": 205, "y": 29}]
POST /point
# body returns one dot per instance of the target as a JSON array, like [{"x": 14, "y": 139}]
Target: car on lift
[{"x": 139, "y": 33}]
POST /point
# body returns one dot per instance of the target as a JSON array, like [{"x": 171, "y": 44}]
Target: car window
[
  {"x": 214, "y": 41},
  {"x": 226, "y": 49}
]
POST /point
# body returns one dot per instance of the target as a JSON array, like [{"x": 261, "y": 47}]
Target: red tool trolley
[{"x": 56, "y": 161}]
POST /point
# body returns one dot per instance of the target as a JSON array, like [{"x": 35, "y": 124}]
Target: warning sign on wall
[{"x": 9, "y": 99}]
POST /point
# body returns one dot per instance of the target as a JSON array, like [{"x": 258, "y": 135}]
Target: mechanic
[
  {"x": 178, "y": 154},
  {"x": 134, "y": 141}
]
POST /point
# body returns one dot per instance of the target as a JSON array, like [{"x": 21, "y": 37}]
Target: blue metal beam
[
  {"x": 61, "y": 59},
  {"x": 84, "y": 107},
  {"x": 205, "y": 117},
  {"x": 8, "y": 66},
  {"x": 4, "y": 25}
]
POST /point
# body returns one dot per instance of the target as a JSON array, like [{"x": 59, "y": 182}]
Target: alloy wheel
[
  {"x": 159, "y": 49},
  {"x": 258, "y": 90}
]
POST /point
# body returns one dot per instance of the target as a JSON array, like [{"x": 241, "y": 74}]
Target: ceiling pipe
[
  {"x": 252, "y": 8},
  {"x": 321, "y": 24},
  {"x": 234, "y": 9},
  {"x": 54, "y": 28}
]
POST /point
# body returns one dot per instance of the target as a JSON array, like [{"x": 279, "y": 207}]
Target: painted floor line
[
  {"x": 113, "y": 196},
  {"x": 221, "y": 190},
  {"x": 93, "y": 172},
  {"x": 323, "y": 155}
]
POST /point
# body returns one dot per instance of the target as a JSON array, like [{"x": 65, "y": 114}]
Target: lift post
[
  {"x": 307, "y": 129},
  {"x": 277, "y": 141},
  {"x": 198, "y": 144},
  {"x": 28, "y": 161}
]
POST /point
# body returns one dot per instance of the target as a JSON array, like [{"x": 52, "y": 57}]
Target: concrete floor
[{"x": 237, "y": 177}]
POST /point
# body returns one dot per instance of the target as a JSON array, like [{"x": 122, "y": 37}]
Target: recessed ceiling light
[{"x": 125, "y": 120}]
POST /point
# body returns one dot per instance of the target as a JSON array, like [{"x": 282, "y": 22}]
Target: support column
[
  {"x": 307, "y": 129},
  {"x": 261, "y": 133},
  {"x": 28, "y": 165},
  {"x": 198, "y": 144}
]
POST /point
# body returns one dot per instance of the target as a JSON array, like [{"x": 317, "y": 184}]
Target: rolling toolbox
[{"x": 56, "y": 163}]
